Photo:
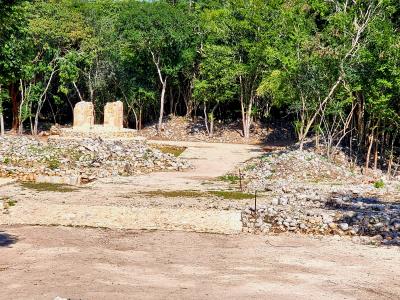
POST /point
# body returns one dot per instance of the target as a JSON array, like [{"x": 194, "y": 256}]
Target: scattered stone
[
  {"x": 344, "y": 226},
  {"x": 70, "y": 161}
]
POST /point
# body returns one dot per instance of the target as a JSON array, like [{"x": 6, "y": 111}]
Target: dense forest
[{"x": 330, "y": 68}]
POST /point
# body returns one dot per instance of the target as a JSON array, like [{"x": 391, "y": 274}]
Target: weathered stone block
[
  {"x": 83, "y": 115},
  {"x": 66, "y": 180},
  {"x": 114, "y": 115}
]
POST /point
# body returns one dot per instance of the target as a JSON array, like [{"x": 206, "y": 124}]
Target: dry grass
[
  {"x": 229, "y": 195},
  {"x": 48, "y": 187},
  {"x": 174, "y": 150}
]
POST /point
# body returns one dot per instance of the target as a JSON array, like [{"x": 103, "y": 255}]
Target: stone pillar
[
  {"x": 114, "y": 115},
  {"x": 84, "y": 115}
]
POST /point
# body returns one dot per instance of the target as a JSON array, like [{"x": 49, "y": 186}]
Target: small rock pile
[
  {"x": 25, "y": 158},
  {"x": 296, "y": 166},
  {"x": 336, "y": 214},
  {"x": 95, "y": 132}
]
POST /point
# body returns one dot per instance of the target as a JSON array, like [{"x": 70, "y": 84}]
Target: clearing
[{"x": 149, "y": 237}]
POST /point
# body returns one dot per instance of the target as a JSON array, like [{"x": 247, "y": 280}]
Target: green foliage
[
  {"x": 229, "y": 178},
  {"x": 47, "y": 187},
  {"x": 232, "y": 195},
  {"x": 379, "y": 184},
  {"x": 53, "y": 163},
  {"x": 173, "y": 150},
  {"x": 233, "y": 58}
]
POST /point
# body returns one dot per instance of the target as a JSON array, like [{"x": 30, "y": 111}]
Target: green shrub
[
  {"x": 230, "y": 178},
  {"x": 379, "y": 184},
  {"x": 53, "y": 164},
  {"x": 232, "y": 195}
]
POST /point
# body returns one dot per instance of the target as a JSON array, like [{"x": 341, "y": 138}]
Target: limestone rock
[
  {"x": 83, "y": 115},
  {"x": 114, "y": 115}
]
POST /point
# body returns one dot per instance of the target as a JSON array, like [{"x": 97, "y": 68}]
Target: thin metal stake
[
  {"x": 240, "y": 181},
  {"x": 255, "y": 201}
]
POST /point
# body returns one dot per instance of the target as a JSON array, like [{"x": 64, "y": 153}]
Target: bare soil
[
  {"x": 102, "y": 252},
  {"x": 83, "y": 263}
]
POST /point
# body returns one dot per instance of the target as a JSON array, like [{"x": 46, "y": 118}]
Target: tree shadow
[
  {"x": 368, "y": 216},
  {"x": 280, "y": 134},
  {"x": 6, "y": 239}
]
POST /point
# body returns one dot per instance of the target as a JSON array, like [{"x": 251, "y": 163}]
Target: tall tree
[{"x": 157, "y": 34}]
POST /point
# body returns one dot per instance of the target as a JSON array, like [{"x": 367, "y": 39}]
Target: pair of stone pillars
[{"x": 113, "y": 115}]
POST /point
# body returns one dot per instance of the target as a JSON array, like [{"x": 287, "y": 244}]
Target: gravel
[
  {"x": 25, "y": 158},
  {"x": 311, "y": 195}
]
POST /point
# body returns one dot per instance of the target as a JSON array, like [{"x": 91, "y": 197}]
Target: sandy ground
[
  {"x": 118, "y": 202},
  {"x": 77, "y": 263},
  {"x": 116, "y": 260}
]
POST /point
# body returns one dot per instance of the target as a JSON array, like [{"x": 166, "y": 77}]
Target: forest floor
[
  {"x": 185, "y": 129},
  {"x": 149, "y": 236}
]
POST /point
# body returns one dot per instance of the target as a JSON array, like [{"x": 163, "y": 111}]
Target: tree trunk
[
  {"x": 246, "y": 119},
  {"x": 140, "y": 118},
  {"x": 376, "y": 154},
  {"x": 171, "y": 102},
  {"x": 2, "y": 124},
  {"x": 162, "y": 100},
  {"x": 163, "y": 81},
  {"x": 79, "y": 94},
  {"x": 13, "y": 92},
  {"x": 206, "y": 118},
  {"x": 1, "y": 113},
  {"x": 390, "y": 163},
  {"x": 371, "y": 142},
  {"x": 41, "y": 102},
  {"x": 212, "y": 119}
]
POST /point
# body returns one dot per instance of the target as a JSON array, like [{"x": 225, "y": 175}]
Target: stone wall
[{"x": 341, "y": 215}]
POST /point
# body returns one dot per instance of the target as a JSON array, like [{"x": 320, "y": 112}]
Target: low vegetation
[
  {"x": 174, "y": 150},
  {"x": 230, "y": 178},
  {"x": 229, "y": 195},
  {"x": 222, "y": 61},
  {"x": 48, "y": 187},
  {"x": 174, "y": 194},
  {"x": 232, "y": 195},
  {"x": 379, "y": 184}
]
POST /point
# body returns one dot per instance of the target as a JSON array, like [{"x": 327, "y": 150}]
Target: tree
[
  {"x": 217, "y": 81},
  {"x": 13, "y": 52},
  {"x": 57, "y": 30},
  {"x": 242, "y": 26},
  {"x": 157, "y": 34}
]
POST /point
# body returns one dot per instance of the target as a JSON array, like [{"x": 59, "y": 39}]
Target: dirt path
[
  {"x": 209, "y": 160},
  {"x": 119, "y": 203},
  {"x": 45, "y": 262},
  {"x": 122, "y": 262}
]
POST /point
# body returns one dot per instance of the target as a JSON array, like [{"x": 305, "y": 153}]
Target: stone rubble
[
  {"x": 25, "y": 158},
  {"x": 305, "y": 201},
  {"x": 186, "y": 129},
  {"x": 291, "y": 166}
]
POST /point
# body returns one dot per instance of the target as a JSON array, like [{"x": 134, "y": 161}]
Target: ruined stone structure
[
  {"x": 84, "y": 115},
  {"x": 114, "y": 115}
]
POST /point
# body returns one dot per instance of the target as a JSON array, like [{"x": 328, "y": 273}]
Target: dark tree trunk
[{"x": 13, "y": 92}]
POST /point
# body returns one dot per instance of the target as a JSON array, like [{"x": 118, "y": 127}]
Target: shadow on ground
[
  {"x": 6, "y": 239},
  {"x": 368, "y": 216}
]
